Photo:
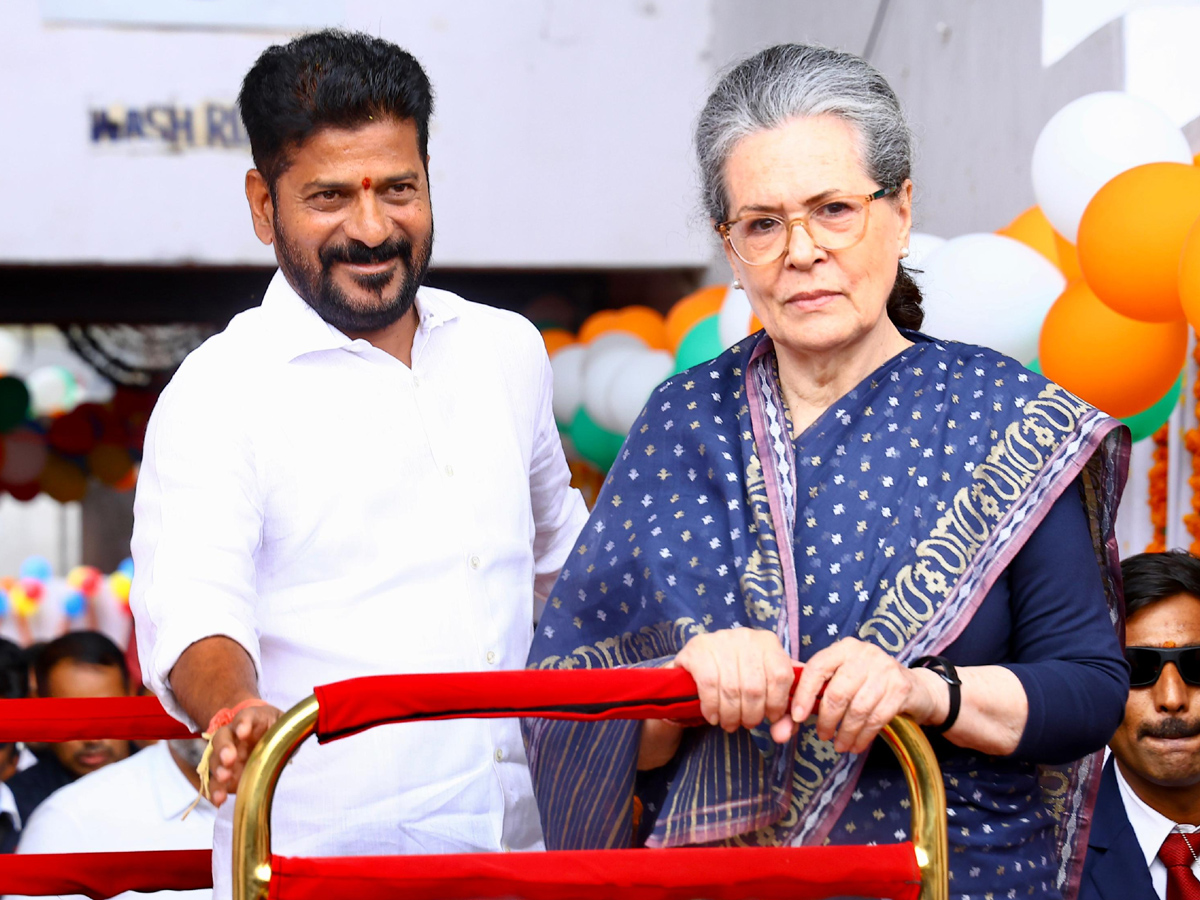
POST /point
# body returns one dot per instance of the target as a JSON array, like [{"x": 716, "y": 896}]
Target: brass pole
[
  {"x": 256, "y": 790},
  {"x": 928, "y": 793}
]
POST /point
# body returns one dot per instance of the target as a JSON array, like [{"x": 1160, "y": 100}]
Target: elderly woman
[{"x": 926, "y": 525}]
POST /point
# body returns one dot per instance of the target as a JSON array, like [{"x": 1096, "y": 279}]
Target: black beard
[{"x": 331, "y": 303}]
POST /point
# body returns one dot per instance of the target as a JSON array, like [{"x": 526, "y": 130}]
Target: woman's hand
[
  {"x": 743, "y": 676},
  {"x": 864, "y": 689}
]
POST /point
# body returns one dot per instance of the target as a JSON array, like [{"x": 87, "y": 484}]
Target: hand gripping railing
[{"x": 916, "y": 870}]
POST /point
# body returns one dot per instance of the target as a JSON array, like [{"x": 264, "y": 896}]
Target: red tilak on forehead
[{"x": 366, "y": 184}]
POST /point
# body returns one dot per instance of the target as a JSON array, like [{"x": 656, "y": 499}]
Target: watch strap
[{"x": 949, "y": 674}]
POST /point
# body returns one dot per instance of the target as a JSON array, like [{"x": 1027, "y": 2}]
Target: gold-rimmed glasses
[{"x": 838, "y": 223}]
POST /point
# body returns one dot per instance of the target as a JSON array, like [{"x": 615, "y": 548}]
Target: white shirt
[
  {"x": 339, "y": 514},
  {"x": 135, "y": 804},
  {"x": 8, "y": 804},
  {"x": 1152, "y": 828}
]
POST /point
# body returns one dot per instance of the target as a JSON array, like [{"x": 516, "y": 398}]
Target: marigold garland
[
  {"x": 1158, "y": 491},
  {"x": 1191, "y": 440}
]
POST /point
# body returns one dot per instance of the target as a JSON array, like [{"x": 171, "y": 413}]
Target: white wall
[{"x": 561, "y": 136}]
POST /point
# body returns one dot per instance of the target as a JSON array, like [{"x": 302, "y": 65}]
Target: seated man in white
[{"x": 135, "y": 804}]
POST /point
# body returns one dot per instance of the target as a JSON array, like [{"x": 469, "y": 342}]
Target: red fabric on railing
[
  {"x": 348, "y": 707},
  {"x": 101, "y": 875},
  {"x": 715, "y": 873},
  {"x": 73, "y": 719}
]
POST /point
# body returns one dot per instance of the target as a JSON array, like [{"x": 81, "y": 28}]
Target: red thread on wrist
[{"x": 224, "y": 716}]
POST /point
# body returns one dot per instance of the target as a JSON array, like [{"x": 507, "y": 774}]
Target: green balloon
[
  {"x": 1035, "y": 366},
  {"x": 700, "y": 344},
  {"x": 597, "y": 445},
  {"x": 14, "y": 402},
  {"x": 1145, "y": 423},
  {"x": 1148, "y": 421}
]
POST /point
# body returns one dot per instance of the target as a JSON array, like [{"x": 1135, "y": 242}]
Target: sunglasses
[{"x": 1146, "y": 664}]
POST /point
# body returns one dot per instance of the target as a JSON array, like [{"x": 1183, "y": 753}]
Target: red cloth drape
[
  {"x": 716, "y": 873},
  {"x": 72, "y": 719},
  {"x": 348, "y": 707},
  {"x": 101, "y": 875}
]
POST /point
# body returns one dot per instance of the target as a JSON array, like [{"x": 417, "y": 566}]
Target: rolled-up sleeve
[
  {"x": 559, "y": 512},
  {"x": 197, "y": 525}
]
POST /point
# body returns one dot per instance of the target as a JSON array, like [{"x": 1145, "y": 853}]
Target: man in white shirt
[
  {"x": 135, "y": 804},
  {"x": 1144, "y": 841},
  {"x": 361, "y": 476}
]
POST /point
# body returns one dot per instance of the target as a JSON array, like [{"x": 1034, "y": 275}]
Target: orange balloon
[
  {"x": 1033, "y": 229},
  {"x": 129, "y": 482},
  {"x": 755, "y": 325},
  {"x": 63, "y": 481},
  {"x": 556, "y": 339},
  {"x": 1131, "y": 236},
  {"x": 1120, "y": 365},
  {"x": 598, "y": 323},
  {"x": 1068, "y": 258},
  {"x": 646, "y": 323},
  {"x": 1189, "y": 276},
  {"x": 691, "y": 309}
]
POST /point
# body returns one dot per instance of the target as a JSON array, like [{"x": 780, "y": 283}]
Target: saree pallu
[{"x": 888, "y": 520}]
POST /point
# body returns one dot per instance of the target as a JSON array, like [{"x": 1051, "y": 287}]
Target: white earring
[
  {"x": 737, "y": 284},
  {"x": 903, "y": 252}
]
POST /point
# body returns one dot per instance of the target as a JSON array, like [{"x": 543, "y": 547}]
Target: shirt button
[
  {"x": 499, "y": 755},
  {"x": 491, "y": 656},
  {"x": 474, "y": 562},
  {"x": 449, "y": 470},
  {"x": 416, "y": 381}
]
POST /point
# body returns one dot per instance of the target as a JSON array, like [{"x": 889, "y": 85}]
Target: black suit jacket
[{"x": 1114, "y": 868}]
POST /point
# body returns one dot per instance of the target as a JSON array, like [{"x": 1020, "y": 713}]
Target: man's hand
[{"x": 231, "y": 748}]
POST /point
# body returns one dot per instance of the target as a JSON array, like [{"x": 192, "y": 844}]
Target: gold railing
[{"x": 252, "y": 812}]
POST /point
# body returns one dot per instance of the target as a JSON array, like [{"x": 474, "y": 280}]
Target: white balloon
[
  {"x": 631, "y": 387},
  {"x": 1090, "y": 141},
  {"x": 52, "y": 391},
  {"x": 920, "y": 245},
  {"x": 567, "y": 366},
  {"x": 733, "y": 322},
  {"x": 991, "y": 290},
  {"x": 605, "y": 361},
  {"x": 10, "y": 351}
]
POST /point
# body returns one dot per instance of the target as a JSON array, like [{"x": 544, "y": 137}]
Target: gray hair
[
  {"x": 796, "y": 80},
  {"x": 791, "y": 81}
]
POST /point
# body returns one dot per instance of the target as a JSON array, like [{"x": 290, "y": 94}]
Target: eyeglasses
[
  {"x": 837, "y": 224},
  {"x": 1146, "y": 664}
]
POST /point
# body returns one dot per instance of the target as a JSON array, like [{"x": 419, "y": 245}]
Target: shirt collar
[
  {"x": 297, "y": 329},
  {"x": 172, "y": 790},
  {"x": 1150, "y": 826}
]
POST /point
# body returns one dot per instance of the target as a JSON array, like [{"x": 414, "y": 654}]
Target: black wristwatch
[{"x": 949, "y": 674}]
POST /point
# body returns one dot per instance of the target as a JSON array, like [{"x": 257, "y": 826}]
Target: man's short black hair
[
  {"x": 14, "y": 671},
  {"x": 331, "y": 78},
  {"x": 1150, "y": 577},
  {"x": 86, "y": 647}
]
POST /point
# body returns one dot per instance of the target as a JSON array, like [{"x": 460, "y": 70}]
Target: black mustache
[
  {"x": 359, "y": 253},
  {"x": 1170, "y": 729}
]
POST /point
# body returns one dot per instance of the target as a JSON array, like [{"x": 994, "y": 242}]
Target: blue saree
[{"x": 888, "y": 520}]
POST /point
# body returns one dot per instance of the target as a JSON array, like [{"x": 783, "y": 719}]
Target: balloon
[
  {"x": 567, "y": 367},
  {"x": 63, "y": 481},
  {"x": 120, "y": 583},
  {"x": 606, "y": 357},
  {"x": 74, "y": 605},
  {"x": 1189, "y": 276},
  {"x": 72, "y": 434},
  {"x": 109, "y": 463},
  {"x": 598, "y": 323},
  {"x": 129, "y": 482},
  {"x": 23, "y": 605},
  {"x": 991, "y": 290},
  {"x": 34, "y": 589},
  {"x": 24, "y": 457},
  {"x": 645, "y": 323},
  {"x": 556, "y": 338},
  {"x": 86, "y": 579},
  {"x": 700, "y": 344},
  {"x": 690, "y": 310},
  {"x": 1131, "y": 237},
  {"x": 52, "y": 391},
  {"x": 1034, "y": 230},
  {"x": 1068, "y": 258},
  {"x": 10, "y": 351},
  {"x": 1117, "y": 364},
  {"x": 36, "y": 567},
  {"x": 735, "y": 316},
  {"x": 4, "y": 603},
  {"x": 631, "y": 387},
  {"x": 14, "y": 402},
  {"x": 920, "y": 245},
  {"x": 1091, "y": 140},
  {"x": 23, "y": 492},
  {"x": 125, "y": 566},
  {"x": 592, "y": 442},
  {"x": 1145, "y": 423}
]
